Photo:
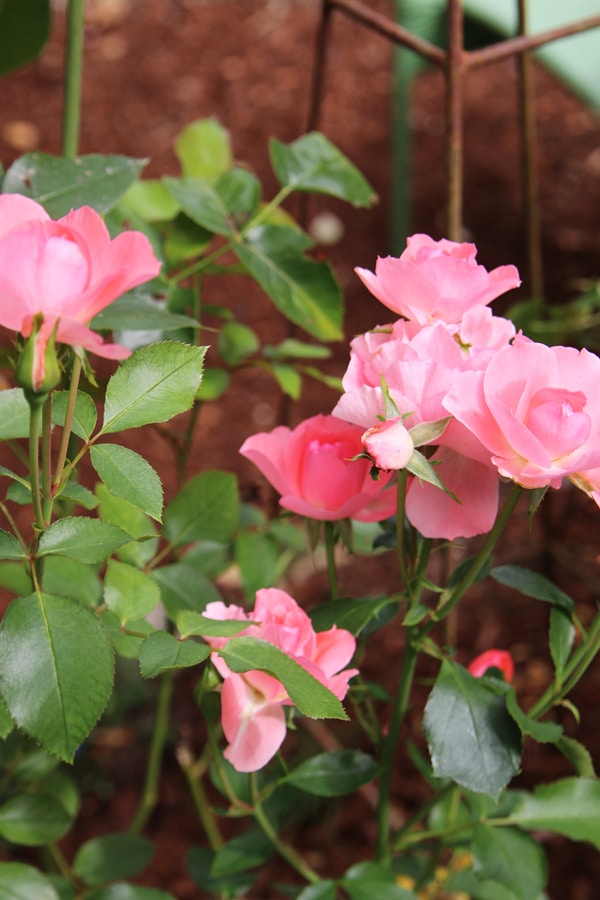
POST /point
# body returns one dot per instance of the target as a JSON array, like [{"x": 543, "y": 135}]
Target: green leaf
[
  {"x": 126, "y": 645},
  {"x": 132, "y": 521},
  {"x": 257, "y": 556},
  {"x": 14, "y": 414},
  {"x": 61, "y": 185},
  {"x": 291, "y": 348},
  {"x": 305, "y": 291},
  {"x": 236, "y": 342},
  {"x": 471, "y": 737},
  {"x": 10, "y": 548},
  {"x": 6, "y": 723},
  {"x": 510, "y": 859},
  {"x": 79, "y": 495},
  {"x": 354, "y": 614},
  {"x": 368, "y": 880},
  {"x": 183, "y": 587},
  {"x": 312, "y": 163},
  {"x": 33, "y": 820},
  {"x": 185, "y": 240},
  {"x": 150, "y": 200},
  {"x": 120, "y": 890},
  {"x": 138, "y": 311},
  {"x": 562, "y": 636},
  {"x": 206, "y": 508},
  {"x": 193, "y": 623},
  {"x": 222, "y": 206},
  {"x": 78, "y": 537},
  {"x": 532, "y": 584},
  {"x": 570, "y": 807},
  {"x": 544, "y": 732},
  {"x": 309, "y": 695},
  {"x": 578, "y": 756},
  {"x": 246, "y": 851},
  {"x": 22, "y": 882},
  {"x": 24, "y": 29},
  {"x": 156, "y": 383},
  {"x": 69, "y": 578},
  {"x": 128, "y": 475},
  {"x": 56, "y": 670},
  {"x": 322, "y": 890},
  {"x": 162, "y": 651},
  {"x": 288, "y": 378},
  {"x": 110, "y": 857},
  {"x": 203, "y": 149},
  {"x": 129, "y": 593},
  {"x": 214, "y": 384},
  {"x": 420, "y": 466},
  {"x": 84, "y": 419},
  {"x": 334, "y": 774}
]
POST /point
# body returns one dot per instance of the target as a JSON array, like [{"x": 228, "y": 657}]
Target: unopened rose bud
[
  {"x": 493, "y": 659},
  {"x": 388, "y": 444},
  {"x": 37, "y": 370}
]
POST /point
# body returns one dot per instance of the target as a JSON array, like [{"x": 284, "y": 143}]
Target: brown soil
[{"x": 153, "y": 66}]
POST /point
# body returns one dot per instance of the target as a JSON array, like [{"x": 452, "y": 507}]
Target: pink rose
[
  {"x": 493, "y": 659},
  {"x": 388, "y": 444},
  {"x": 252, "y": 702},
  {"x": 436, "y": 280},
  {"x": 536, "y": 410},
  {"x": 313, "y": 468},
  {"x": 66, "y": 270}
]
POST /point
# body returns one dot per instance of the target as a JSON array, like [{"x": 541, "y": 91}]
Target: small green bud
[{"x": 38, "y": 370}]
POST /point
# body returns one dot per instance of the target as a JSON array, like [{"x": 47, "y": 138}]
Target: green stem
[
  {"x": 403, "y": 835},
  {"x": 159, "y": 738},
  {"x": 449, "y": 601},
  {"x": 330, "y": 554},
  {"x": 400, "y": 536},
  {"x": 47, "y": 460},
  {"x": 284, "y": 849},
  {"x": 193, "y": 775},
  {"x": 70, "y": 412},
  {"x": 35, "y": 427},
  {"x": 388, "y": 751},
  {"x": 572, "y": 673},
  {"x": 73, "y": 78}
]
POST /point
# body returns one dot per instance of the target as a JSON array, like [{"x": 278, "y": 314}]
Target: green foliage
[{"x": 24, "y": 29}]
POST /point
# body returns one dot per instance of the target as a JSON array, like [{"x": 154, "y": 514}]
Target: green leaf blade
[
  {"x": 309, "y": 695},
  {"x": 56, "y": 670},
  {"x": 128, "y": 475},
  {"x": 157, "y": 382}
]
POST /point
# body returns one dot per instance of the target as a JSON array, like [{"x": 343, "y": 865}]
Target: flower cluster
[
  {"x": 252, "y": 702},
  {"x": 510, "y": 406}
]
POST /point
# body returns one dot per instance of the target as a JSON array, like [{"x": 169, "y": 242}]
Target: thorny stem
[
  {"x": 284, "y": 849},
  {"x": 159, "y": 738},
  {"x": 388, "y": 751},
  {"x": 330, "y": 554},
  {"x": 449, "y": 600},
  {"x": 35, "y": 423},
  {"x": 73, "y": 78},
  {"x": 66, "y": 432},
  {"x": 47, "y": 460},
  {"x": 193, "y": 771}
]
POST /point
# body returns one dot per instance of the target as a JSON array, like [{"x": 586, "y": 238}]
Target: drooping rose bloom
[
  {"x": 436, "y": 280},
  {"x": 65, "y": 272},
  {"x": 493, "y": 659},
  {"x": 536, "y": 409},
  {"x": 252, "y": 702},
  {"x": 313, "y": 469}
]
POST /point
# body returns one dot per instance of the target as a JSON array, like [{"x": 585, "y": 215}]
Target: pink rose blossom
[
  {"x": 388, "y": 444},
  {"x": 252, "y": 702},
  {"x": 493, "y": 659},
  {"x": 436, "y": 280},
  {"x": 313, "y": 468},
  {"x": 66, "y": 270},
  {"x": 536, "y": 410}
]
